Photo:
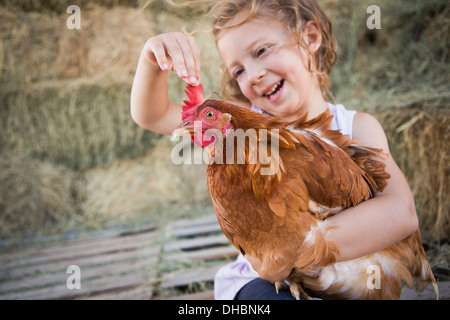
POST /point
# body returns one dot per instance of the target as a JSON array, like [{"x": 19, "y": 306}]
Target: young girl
[{"x": 278, "y": 56}]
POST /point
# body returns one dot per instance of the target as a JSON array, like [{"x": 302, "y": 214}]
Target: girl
[{"x": 278, "y": 56}]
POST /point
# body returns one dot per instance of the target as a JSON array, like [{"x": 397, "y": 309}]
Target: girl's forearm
[
  {"x": 149, "y": 94},
  {"x": 372, "y": 225}
]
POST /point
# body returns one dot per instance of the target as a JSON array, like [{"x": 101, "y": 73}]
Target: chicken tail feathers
[
  {"x": 427, "y": 277},
  {"x": 436, "y": 289},
  {"x": 418, "y": 265}
]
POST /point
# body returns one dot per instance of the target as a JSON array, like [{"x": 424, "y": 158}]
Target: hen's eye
[{"x": 209, "y": 114}]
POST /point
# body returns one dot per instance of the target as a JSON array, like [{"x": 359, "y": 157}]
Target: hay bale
[
  {"x": 107, "y": 45},
  {"x": 79, "y": 124},
  {"x": 412, "y": 46},
  {"x": 60, "y": 6},
  {"x": 418, "y": 130},
  {"x": 39, "y": 46},
  {"x": 36, "y": 196},
  {"x": 151, "y": 187},
  {"x": 28, "y": 46}
]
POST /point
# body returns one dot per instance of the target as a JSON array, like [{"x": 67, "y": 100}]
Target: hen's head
[
  {"x": 199, "y": 117},
  {"x": 205, "y": 120},
  {"x": 207, "y": 123}
]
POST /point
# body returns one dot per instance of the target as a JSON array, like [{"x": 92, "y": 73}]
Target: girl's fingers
[
  {"x": 179, "y": 64},
  {"x": 197, "y": 57},
  {"x": 189, "y": 59},
  {"x": 156, "y": 53},
  {"x": 177, "y": 52}
]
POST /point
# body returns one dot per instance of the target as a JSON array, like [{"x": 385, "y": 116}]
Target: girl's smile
[
  {"x": 271, "y": 68},
  {"x": 274, "y": 92}
]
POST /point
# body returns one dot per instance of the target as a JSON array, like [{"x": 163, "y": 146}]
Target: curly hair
[{"x": 295, "y": 13}]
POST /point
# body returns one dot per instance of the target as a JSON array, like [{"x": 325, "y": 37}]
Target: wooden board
[
  {"x": 120, "y": 266},
  {"x": 133, "y": 266},
  {"x": 187, "y": 278},
  {"x": 196, "y": 240},
  {"x": 112, "y": 264}
]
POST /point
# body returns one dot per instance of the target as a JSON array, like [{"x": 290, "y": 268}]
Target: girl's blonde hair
[{"x": 295, "y": 13}]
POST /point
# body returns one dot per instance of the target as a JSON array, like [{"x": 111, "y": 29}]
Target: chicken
[{"x": 277, "y": 210}]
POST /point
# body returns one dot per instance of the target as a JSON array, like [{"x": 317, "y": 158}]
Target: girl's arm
[
  {"x": 382, "y": 221},
  {"x": 149, "y": 106}
]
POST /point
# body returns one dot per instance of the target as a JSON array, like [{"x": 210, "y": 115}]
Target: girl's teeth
[{"x": 272, "y": 90}]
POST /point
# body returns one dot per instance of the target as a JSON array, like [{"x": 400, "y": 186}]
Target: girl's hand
[{"x": 175, "y": 51}]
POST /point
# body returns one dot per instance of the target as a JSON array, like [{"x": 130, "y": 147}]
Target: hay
[
  {"x": 418, "y": 134},
  {"x": 108, "y": 44},
  {"x": 152, "y": 187},
  {"x": 39, "y": 46},
  {"x": 410, "y": 49},
  {"x": 79, "y": 124},
  {"x": 35, "y": 197},
  {"x": 39, "y": 198},
  {"x": 59, "y": 6},
  {"x": 28, "y": 45}
]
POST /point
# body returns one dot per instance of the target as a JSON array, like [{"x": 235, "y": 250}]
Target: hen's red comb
[{"x": 195, "y": 96}]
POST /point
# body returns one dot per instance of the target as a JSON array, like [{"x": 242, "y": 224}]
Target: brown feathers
[{"x": 280, "y": 218}]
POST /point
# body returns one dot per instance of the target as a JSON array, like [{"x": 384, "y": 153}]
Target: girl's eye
[
  {"x": 261, "y": 51},
  {"x": 238, "y": 72},
  {"x": 209, "y": 114}
]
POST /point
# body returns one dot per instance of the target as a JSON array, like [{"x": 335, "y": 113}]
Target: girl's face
[{"x": 270, "y": 68}]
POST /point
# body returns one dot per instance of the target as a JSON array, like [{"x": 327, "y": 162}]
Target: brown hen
[{"x": 273, "y": 205}]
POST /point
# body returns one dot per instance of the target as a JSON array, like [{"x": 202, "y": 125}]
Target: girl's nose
[{"x": 256, "y": 75}]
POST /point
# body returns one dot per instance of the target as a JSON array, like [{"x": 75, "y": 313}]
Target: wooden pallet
[
  {"x": 194, "y": 241},
  {"x": 107, "y": 266},
  {"x": 121, "y": 266},
  {"x": 178, "y": 261}
]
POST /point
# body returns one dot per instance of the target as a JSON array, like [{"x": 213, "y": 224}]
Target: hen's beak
[
  {"x": 183, "y": 128},
  {"x": 185, "y": 125}
]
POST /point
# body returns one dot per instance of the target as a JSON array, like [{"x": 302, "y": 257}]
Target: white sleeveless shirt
[{"x": 233, "y": 276}]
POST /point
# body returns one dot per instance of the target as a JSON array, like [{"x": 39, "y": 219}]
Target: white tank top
[{"x": 233, "y": 276}]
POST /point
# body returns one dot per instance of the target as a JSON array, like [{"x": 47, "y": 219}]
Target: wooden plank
[
  {"x": 104, "y": 245},
  {"x": 205, "y": 295},
  {"x": 185, "y": 278},
  {"x": 86, "y": 274},
  {"x": 134, "y": 294},
  {"x": 195, "y": 243},
  {"x": 195, "y": 231},
  {"x": 70, "y": 244},
  {"x": 110, "y": 245},
  {"x": 53, "y": 266},
  {"x": 184, "y": 223},
  {"x": 91, "y": 287},
  {"x": 205, "y": 254}
]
